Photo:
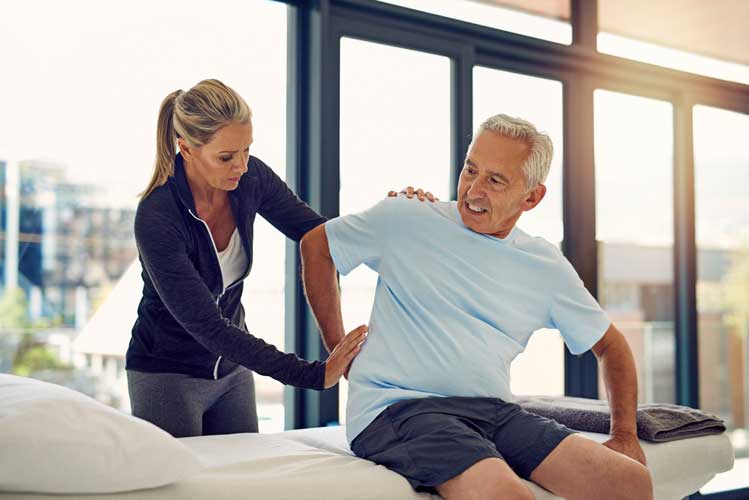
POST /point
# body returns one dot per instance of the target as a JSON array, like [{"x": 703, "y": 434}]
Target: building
[{"x": 69, "y": 250}]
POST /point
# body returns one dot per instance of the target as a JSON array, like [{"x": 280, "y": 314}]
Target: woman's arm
[
  {"x": 282, "y": 207},
  {"x": 162, "y": 248}
]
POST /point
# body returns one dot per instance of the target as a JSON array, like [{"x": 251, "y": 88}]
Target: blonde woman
[{"x": 190, "y": 360}]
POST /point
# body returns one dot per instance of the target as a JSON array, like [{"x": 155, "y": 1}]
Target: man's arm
[
  {"x": 620, "y": 377},
  {"x": 321, "y": 286}
]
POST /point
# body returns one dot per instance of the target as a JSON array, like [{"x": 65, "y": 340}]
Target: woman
[{"x": 190, "y": 357}]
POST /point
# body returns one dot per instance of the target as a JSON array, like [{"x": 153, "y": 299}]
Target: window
[
  {"x": 722, "y": 230},
  {"x": 77, "y": 146},
  {"x": 547, "y": 20},
  {"x": 539, "y": 101},
  {"x": 707, "y": 38},
  {"x": 634, "y": 229},
  {"x": 395, "y": 116}
]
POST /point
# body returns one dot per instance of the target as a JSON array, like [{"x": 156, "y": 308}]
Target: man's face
[{"x": 492, "y": 193}]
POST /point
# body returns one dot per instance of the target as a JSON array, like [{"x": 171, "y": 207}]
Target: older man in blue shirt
[{"x": 461, "y": 289}]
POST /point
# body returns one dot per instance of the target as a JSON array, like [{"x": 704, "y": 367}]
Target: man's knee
[
  {"x": 489, "y": 479},
  {"x": 516, "y": 491},
  {"x": 491, "y": 490},
  {"x": 633, "y": 481},
  {"x": 505, "y": 489},
  {"x": 642, "y": 482}
]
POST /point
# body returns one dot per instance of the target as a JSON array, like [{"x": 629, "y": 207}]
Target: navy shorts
[{"x": 432, "y": 440}]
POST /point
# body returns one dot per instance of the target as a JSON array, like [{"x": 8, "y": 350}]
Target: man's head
[{"x": 503, "y": 174}]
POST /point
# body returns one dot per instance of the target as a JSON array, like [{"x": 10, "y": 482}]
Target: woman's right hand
[{"x": 343, "y": 354}]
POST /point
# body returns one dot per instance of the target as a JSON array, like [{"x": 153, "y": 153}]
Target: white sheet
[
  {"x": 679, "y": 468},
  {"x": 317, "y": 464}
]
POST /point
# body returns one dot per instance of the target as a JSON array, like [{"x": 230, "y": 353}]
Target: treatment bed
[{"x": 317, "y": 464}]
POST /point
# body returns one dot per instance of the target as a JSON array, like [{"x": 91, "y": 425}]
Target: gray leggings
[{"x": 185, "y": 406}]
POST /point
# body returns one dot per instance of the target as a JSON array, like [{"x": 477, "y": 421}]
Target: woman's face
[{"x": 222, "y": 161}]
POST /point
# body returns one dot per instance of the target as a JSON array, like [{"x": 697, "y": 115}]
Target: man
[{"x": 460, "y": 291}]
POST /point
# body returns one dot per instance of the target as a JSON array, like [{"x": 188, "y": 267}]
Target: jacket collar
[
  {"x": 184, "y": 193},
  {"x": 179, "y": 179}
]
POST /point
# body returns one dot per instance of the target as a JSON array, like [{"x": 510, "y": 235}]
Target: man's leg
[
  {"x": 571, "y": 466},
  {"x": 488, "y": 479},
  {"x": 580, "y": 468},
  {"x": 443, "y": 444}
]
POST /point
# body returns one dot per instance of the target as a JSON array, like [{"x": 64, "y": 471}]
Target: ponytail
[{"x": 165, "y": 144}]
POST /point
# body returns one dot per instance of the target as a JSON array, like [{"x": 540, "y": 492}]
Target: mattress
[{"x": 317, "y": 464}]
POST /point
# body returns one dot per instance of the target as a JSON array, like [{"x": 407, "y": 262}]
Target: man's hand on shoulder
[{"x": 627, "y": 445}]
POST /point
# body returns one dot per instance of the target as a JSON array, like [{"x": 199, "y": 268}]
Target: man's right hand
[{"x": 343, "y": 354}]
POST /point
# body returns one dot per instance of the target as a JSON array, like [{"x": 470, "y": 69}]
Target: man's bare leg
[
  {"x": 581, "y": 469},
  {"x": 488, "y": 479}
]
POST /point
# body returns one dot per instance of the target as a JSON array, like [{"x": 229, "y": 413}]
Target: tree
[
  {"x": 736, "y": 294},
  {"x": 13, "y": 311},
  {"x": 33, "y": 356},
  {"x": 30, "y": 354}
]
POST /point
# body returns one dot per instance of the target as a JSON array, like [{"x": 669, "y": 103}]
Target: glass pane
[
  {"x": 539, "y": 101},
  {"x": 721, "y": 164},
  {"x": 80, "y": 168},
  {"x": 547, "y": 20},
  {"x": 634, "y": 229},
  {"x": 707, "y": 38},
  {"x": 395, "y": 132}
]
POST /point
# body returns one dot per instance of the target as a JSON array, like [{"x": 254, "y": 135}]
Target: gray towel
[{"x": 655, "y": 422}]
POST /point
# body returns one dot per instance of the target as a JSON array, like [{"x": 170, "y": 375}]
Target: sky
[{"x": 86, "y": 92}]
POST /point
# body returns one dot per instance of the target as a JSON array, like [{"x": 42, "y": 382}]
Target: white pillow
[{"x": 56, "y": 440}]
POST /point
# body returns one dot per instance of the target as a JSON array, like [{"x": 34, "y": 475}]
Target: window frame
[{"x": 315, "y": 31}]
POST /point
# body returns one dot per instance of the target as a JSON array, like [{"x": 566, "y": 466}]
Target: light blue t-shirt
[{"x": 452, "y": 307}]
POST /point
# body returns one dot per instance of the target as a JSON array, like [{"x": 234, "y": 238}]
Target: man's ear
[{"x": 534, "y": 197}]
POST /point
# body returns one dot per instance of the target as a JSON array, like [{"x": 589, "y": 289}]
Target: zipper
[
  {"x": 215, "y": 368},
  {"x": 223, "y": 290}
]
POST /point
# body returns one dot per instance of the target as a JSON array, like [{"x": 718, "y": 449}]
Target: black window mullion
[
  {"x": 579, "y": 218},
  {"x": 293, "y": 308},
  {"x": 584, "y": 21},
  {"x": 461, "y": 110},
  {"x": 312, "y": 170},
  {"x": 685, "y": 258}
]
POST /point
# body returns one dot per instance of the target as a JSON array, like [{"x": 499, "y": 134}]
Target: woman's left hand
[{"x": 420, "y": 194}]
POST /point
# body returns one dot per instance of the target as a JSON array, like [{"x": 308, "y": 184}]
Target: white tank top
[{"x": 232, "y": 260}]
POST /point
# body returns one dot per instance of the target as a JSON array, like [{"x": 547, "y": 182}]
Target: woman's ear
[{"x": 184, "y": 149}]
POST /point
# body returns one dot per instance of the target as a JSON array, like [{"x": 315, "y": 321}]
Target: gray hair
[{"x": 536, "y": 166}]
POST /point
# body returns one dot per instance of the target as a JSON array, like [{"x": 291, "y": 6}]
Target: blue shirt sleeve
[
  {"x": 575, "y": 313},
  {"x": 357, "y": 239}
]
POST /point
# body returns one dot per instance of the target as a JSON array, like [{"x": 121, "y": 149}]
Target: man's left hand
[{"x": 627, "y": 445}]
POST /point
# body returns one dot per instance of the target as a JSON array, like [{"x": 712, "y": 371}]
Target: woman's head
[{"x": 209, "y": 114}]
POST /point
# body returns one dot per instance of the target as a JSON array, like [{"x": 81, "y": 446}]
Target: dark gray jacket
[{"x": 188, "y": 320}]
